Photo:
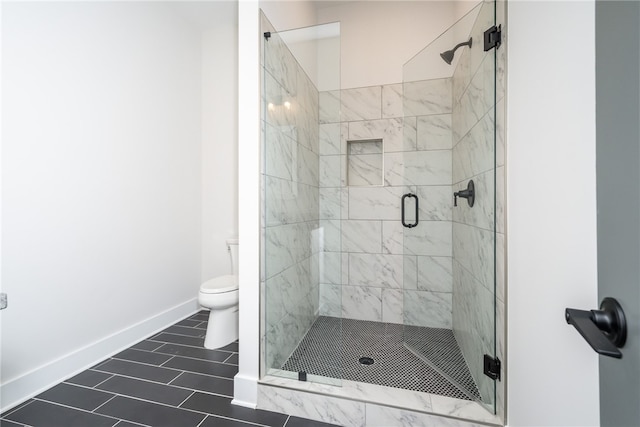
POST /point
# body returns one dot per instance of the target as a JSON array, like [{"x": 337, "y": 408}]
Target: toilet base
[{"x": 222, "y": 329}]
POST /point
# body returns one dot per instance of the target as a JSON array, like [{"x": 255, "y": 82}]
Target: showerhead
[{"x": 448, "y": 55}]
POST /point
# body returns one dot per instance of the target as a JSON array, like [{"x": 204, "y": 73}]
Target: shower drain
[{"x": 365, "y": 361}]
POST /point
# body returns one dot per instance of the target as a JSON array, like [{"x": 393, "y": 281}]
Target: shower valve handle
[{"x": 469, "y": 194}]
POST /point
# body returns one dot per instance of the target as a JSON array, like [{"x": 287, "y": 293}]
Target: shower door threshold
[{"x": 351, "y": 399}]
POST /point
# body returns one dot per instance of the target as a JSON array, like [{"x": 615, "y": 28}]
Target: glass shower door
[
  {"x": 301, "y": 266},
  {"x": 449, "y": 207}
]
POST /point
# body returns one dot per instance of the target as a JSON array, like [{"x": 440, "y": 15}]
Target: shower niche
[
  {"x": 365, "y": 162},
  {"x": 343, "y": 281}
]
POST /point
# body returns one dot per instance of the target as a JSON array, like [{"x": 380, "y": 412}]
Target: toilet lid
[{"x": 220, "y": 284}]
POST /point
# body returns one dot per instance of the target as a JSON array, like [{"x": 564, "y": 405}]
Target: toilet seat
[{"x": 219, "y": 285}]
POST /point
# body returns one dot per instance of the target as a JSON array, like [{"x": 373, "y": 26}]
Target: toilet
[{"x": 220, "y": 296}]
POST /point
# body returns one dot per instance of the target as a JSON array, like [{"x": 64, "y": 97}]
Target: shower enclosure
[{"x": 372, "y": 270}]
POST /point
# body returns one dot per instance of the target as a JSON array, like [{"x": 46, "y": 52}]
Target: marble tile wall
[
  {"x": 291, "y": 234},
  {"x": 368, "y": 405},
  {"x": 479, "y": 231},
  {"x": 389, "y": 273}
]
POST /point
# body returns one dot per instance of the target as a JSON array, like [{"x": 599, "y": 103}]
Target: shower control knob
[{"x": 469, "y": 194}]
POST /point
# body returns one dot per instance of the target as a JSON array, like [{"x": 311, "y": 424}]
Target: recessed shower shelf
[{"x": 365, "y": 163}]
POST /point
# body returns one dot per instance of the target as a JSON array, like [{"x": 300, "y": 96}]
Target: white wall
[
  {"x": 219, "y": 138},
  {"x": 379, "y": 37},
  {"x": 102, "y": 192},
  {"x": 552, "y": 372}
]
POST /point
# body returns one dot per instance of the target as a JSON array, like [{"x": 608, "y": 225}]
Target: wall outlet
[{"x": 3, "y": 301}]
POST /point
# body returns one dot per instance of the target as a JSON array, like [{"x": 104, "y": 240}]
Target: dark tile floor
[{"x": 168, "y": 380}]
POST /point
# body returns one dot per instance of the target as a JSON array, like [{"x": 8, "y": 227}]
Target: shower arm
[{"x": 467, "y": 43}]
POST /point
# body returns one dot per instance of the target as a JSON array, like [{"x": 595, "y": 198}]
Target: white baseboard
[
  {"x": 19, "y": 389},
  {"x": 245, "y": 391}
]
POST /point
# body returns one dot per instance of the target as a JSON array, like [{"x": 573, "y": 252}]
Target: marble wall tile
[
  {"x": 474, "y": 154},
  {"x": 330, "y": 202},
  {"x": 418, "y": 168},
  {"x": 330, "y": 171},
  {"x": 392, "y": 306},
  {"x": 481, "y": 215},
  {"x": 279, "y": 154},
  {"x": 463, "y": 409},
  {"x": 390, "y": 131},
  {"x": 434, "y": 132},
  {"x": 332, "y": 234},
  {"x": 279, "y": 62},
  {"x": 290, "y": 202},
  {"x": 392, "y": 237},
  {"x": 362, "y": 303},
  {"x": 273, "y": 106},
  {"x": 330, "y": 139},
  {"x": 327, "y": 409},
  {"x": 361, "y": 104},
  {"x": 376, "y": 270},
  {"x": 362, "y": 236},
  {"x": 431, "y": 309},
  {"x": 364, "y": 146},
  {"x": 385, "y": 416},
  {"x": 427, "y": 97},
  {"x": 330, "y": 300},
  {"x": 473, "y": 325},
  {"x": 473, "y": 248},
  {"x": 435, "y": 274},
  {"x": 435, "y": 202},
  {"x": 329, "y": 110},
  {"x": 375, "y": 203},
  {"x": 475, "y": 102},
  {"x": 307, "y": 129},
  {"x": 308, "y": 166},
  {"x": 364, "y": 170},
  {"x": 392, "y": 101},
  {"x": 432, "y": 238},
  {"x": 308, "y": 95},
  {"x": 331, "y": 268},
  {"x": 286, "y": 245},
  {"x": 410, "y": 272}
]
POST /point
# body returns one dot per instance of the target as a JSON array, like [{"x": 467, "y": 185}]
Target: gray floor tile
[
  {"x": 7, "y": 423},
  {"x": 213, "y": 421},
  {"x": 221, "y": 406},
  {"x": 89, "y": 378},
  {"x": 75, "y": 396},
  {"x": 151, "y": 414},
  {"x": 182, "y": 330},
  {"x": 233, "y": 347},
  {"x": 142, "y": 356},
  {"x": 202, "y": 367},
  {"x": 146, "y": 345},
  {"x": 146, "y": 390},
  {"x": 178, "y": 339},
  {"x": 233, "y": 359},
  {"x": 45, "y": 414},
  {"x": 139, "y": 370},
  {"x": 205, "y": 383},
  {"x": 197, "y": 353},
  {"x": 188, "y": 322}
]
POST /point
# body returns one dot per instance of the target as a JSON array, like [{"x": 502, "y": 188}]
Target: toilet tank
[{"x": 232, "y": 247}]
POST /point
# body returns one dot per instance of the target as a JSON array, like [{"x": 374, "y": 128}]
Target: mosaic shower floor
[{"x": 333, "y": 348}]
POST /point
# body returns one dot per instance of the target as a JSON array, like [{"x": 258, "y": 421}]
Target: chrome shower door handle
[{"x": 404, "y": 197}]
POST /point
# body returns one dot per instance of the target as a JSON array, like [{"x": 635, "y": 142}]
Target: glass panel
[
  {"x": 301, "y": 215},
  {"x": 449, "y": 292}
]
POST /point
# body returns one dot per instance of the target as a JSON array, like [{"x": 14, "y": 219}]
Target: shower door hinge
[
  {"x": 492, "y": 367},
  {"x": 492, "y": 37},
  {"x": 267, "y": 35}
]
